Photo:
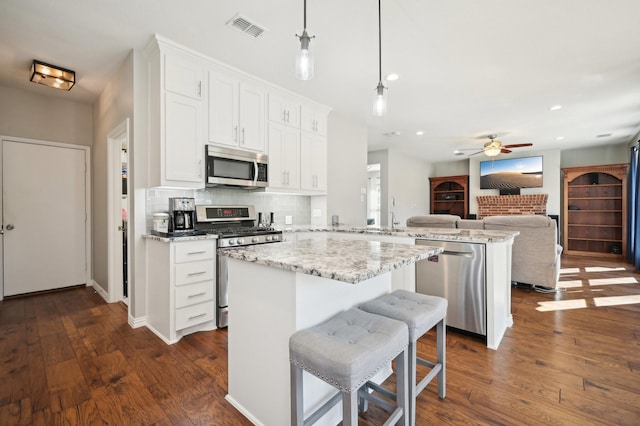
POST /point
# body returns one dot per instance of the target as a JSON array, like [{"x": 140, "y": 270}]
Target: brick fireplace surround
[{"x": 493, "y": 205}]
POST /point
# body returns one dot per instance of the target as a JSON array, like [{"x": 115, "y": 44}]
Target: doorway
[
  {"x": 45, "y": 216},
  {"x": 118, "y": 213},
  {"x": 373, "y": 194}
]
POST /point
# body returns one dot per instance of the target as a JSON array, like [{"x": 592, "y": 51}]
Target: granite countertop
[
  {"x": 179, "y": 238},
  {"x": 442, "y": 234},
  {"x": 351, "y": 261}
]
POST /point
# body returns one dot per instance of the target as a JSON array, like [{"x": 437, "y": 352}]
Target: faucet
[{"x": 394, "y": 222}]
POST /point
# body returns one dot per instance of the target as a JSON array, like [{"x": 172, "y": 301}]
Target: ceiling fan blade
[
  {"x": 479, "y": 152},
  {"x": 505, "y": 151},
  {"x": 517, "y": 145}
]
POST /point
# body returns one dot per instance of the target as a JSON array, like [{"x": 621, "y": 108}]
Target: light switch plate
[{"x": 288, "y": 220}]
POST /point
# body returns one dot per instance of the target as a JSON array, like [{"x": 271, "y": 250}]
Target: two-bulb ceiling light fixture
[
  {"x": 52, "y": 76},
  {"x": 304, "y": 58},
  {"x": 379, "y": 96}
]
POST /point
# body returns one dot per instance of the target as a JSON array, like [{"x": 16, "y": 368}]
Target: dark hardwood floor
[{"x": 571, "y": 358}]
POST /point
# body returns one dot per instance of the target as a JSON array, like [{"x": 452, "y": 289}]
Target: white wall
[
  {"x": 596, "y": 156},
  {"x": 347, "y": 170},
  {"x": 405, "y": 179},
  {"x": 31, "y": 115},
  {"x": 114, "y": 105},
  {"x": 451, "y": 168}
]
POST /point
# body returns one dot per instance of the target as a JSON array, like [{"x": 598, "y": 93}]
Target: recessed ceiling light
[
  {"x": 559, "y": 138},
  {"x": 419, "y": 133},
  {"x": 555, "y": 108},
  {"x": 392, "y": 77},
  {"x": 458, "y": 152}
]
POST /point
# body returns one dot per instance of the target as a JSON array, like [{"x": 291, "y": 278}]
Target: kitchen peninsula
[{"x": 280, "y": 288}]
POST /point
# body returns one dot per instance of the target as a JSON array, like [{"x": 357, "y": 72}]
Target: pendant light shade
[
  {"x": 304, "y": 58},
  {"x": 379, "y": 95},
  {"x": 379, "y": 100}
]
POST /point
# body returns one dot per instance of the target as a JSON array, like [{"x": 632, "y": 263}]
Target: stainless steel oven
[
  {"x": 236, "y": 168},
  {"x": 235, "y": 226}
]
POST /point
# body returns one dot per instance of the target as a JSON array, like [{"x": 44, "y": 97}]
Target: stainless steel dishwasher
[{"x": 458, "y": 275}]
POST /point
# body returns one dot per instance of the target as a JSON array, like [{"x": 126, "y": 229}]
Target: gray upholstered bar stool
[
  {"x": 421, "y": 313},
  {"x": 346, "y": 351}
]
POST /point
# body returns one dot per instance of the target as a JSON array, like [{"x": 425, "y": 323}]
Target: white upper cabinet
[
  {"x": 284, "y": 111},
  {"x": 313, "y": 120},
  {"x": 176, "y": 118},
  {"x": 183, "y": 140},
  {"x": 313, "y": 162},
  {"x": 236, "y": 112},
  {"x": 184, "y": 75},
  {"x": 284, "y": 157}
]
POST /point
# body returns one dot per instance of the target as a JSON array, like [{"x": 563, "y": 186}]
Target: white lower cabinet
[{"x": 181, "y": 287}]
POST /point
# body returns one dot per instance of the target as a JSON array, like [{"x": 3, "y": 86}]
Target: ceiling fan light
[{"x": 493, "y": 148}]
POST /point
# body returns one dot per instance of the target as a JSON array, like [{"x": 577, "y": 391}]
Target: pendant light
[
  {"x": 379, "y": 96},
  {"x": 304, "y": 58}
]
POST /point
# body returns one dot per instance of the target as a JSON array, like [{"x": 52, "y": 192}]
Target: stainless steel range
[{"x": 235, "y": 226}]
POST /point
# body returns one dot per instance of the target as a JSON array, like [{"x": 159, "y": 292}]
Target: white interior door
[{"x": 44, "y": 214}]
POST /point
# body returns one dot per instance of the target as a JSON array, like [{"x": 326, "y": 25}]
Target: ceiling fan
[{"x": 495, "y": 147}]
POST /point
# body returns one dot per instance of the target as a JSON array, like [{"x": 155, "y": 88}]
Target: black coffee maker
[{"x": 182, "y": 214}]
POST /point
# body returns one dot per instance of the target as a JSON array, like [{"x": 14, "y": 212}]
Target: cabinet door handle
[
  {"x": 242, "y": 140},
  {"x": 287, "y": 116},
  {"x": 200, "y": 88},
  {"x": 284, "y": 116},
  {"x": 235, "y": 133},
  {"x": 196, "y": 295},
  {"x": 196, "y": 252},
  {"x": 197, "y": 316},
  {"x": 200, "y": 167},
  {"x": 191, "y": 274}
]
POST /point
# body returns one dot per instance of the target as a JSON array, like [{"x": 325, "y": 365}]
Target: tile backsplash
[{"x": 296, "y": 206}]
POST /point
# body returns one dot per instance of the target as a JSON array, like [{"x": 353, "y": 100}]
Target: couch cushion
[
  {"x": 469, "y": 224},
  {"x": 434, "y": 221},
  {"x": 521, "y": 221}
]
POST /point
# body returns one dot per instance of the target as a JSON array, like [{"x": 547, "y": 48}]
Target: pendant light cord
[
  {"x": 304, "y": 18},
  {"x": 379, "y": 41}
]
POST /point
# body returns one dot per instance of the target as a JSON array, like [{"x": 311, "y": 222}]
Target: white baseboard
[
  {"x": 137, "y": 322},
  {"x": 99, "y": 290},
  {"x": 164, "y": 339}
]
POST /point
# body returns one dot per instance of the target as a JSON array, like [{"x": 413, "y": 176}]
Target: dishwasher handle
[{"x": 466, "y": 254}]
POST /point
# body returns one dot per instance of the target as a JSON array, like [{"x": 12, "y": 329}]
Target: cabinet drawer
[
  {"x": 196, "y": 250},
  {"x": 193, "y": 272},
  {"x": 194, "y": 293},
  {"x": 194, "y": 315}
]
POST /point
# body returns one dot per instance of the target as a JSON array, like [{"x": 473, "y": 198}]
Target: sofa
[{"x": 535, "y": 254}]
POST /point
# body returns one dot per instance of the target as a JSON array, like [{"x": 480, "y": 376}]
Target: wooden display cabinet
[
  {"x": 449, "y": 195},
  {"x": 595, "y": 210}
]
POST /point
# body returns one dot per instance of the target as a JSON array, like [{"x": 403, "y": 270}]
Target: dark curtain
[{"x": 633, "y": 206}]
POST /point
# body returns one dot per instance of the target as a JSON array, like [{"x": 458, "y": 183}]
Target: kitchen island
[{"x": 281, "y": 288}]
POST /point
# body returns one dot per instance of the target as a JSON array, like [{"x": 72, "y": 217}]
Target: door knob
[{"x": 10, "y": 227}]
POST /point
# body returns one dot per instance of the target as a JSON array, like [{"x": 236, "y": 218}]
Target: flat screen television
[{"x": 508, "y": 173}]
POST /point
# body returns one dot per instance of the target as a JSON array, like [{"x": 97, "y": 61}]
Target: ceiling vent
[{"x": 246, "y": 26}]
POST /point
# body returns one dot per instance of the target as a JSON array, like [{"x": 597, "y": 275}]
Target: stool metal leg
[
  {"x": 441, "y": 337},
  {"x": 350, "y": 408},
  {"x": 403, "y": 395},
  {"x": 412, "y": 395},
  {"x": 297, "y": 412}
]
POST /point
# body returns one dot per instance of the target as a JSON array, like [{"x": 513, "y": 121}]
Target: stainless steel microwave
[{"x": 236, "y": 168}]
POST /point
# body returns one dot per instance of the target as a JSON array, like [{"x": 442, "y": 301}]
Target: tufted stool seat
[
  {"x": 346, "y": 351},
  {"x": 421, "y": 313}
]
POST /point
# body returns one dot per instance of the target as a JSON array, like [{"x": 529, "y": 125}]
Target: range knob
[
  {"x": 240, "y": 240},
  {"x": 275, "y": 238},
  {"x": 232, "y": 242},
  {"x": 267, "y": 238},
  {"x": 255, "y": 239}
]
